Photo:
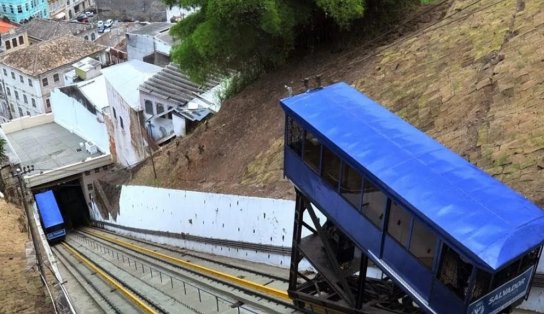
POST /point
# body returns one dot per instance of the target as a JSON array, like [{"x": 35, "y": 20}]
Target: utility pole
[{"x": 31, "y": 230}]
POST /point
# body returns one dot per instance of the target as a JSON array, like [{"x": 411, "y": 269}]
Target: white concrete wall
[
  {"x": 26, "y": 122},
  {"x": 139, "y": 46},
  {"x": 73, "y": 116},
  {"x": 126, "y": 153},
  {"x": 179, "y": 125},
  {"x": 220, "y": 216}
]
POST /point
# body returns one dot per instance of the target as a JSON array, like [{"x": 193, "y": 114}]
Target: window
[
  {"x": 21, "y": 40},
  {"x": 482, "y": 285},
  {"x": 4, "y": 8},
  {"x": 44, "y": 81},
  {"x": 56, "y": 77},
  {"x": 114, "y": 113},
  {"x": 374, "y": 202},
  {"x": 20, "y": 112},
  {"x": 25, "y": 99},
  {"x": 14, "y": 42},
  {"x": 33, "y": 102},
  {"x": 5, "y": 72},
  {"x": 453, "y": 272},
  {"x": 96, "y": 170},
  {"x": 121, "y": 123},
  {"x": 12, "y": 75},
  {"x": 47, "y": 103},
  {"x": 93, "y": 36},
  {"x": 148, "y": 107},
  {"x": 351, "y": 184},
  {"x": 90, "y": 187},
  {"x": 16, "y": 95},
  {"x": 294, "y": 136},
  {"x": 423, "y": 243},
  {"x": 8, "y": 91},
  {"x": 399, "y": 223},
  {"x": 19, "y": 9},
  {"x": 8, "y": 45},
  {"x": 86, "y": 37},
  {"x": 28, "y": 113},
  {"x": 12, "y": 11},
  {"x": 21, "y": 79},
  {"x": 160, "y": 108},
  {"x": 29, "y": 82},
  {"x": 312, "y": 151},
  {"x": 330, "y": 170}
]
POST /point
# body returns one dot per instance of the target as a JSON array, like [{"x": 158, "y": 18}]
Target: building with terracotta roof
[
  {"x": 32, "y": 73},
  {"x": 12, "y": 37},
  {"x": 46, "y": 29}
]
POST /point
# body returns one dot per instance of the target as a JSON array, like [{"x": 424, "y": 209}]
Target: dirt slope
[
  {"x": 21, "y": 289},
  {"x": 468, "y": 72}
]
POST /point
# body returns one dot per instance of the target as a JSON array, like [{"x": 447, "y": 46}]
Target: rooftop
[
  {"x": 173, "y": 85},
  {"x": 6, "y": 27},
  {"x": 152, "y": 29},
  {"x": 166, "y": 38},
  {"x": 127, "y": 76},
  {"x": 45, "y": 29},
  {"x": 116, "y": 38},
  {"x": 48, "y": 146},
  {"x": 48, "y": 55},
  {"x": 95, "y": 91}
]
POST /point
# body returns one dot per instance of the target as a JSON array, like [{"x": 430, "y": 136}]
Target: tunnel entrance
[{"x": 71, "y": 201}]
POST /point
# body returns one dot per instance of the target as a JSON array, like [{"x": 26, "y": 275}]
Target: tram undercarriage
[{"x": 337, "y": 286}]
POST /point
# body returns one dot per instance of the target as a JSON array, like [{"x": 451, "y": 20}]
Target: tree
[{"x": 251, "y": 35}]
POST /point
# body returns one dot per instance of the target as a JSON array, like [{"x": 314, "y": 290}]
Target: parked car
[
  {"x": 89, "y": 14},
  {"x": 100, "y": 26},
  {"x": 109, "y": 23},
  {"x": 81, "y": 17}
]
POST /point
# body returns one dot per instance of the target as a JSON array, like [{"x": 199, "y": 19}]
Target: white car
[
  {"x": 89, "y": 14},
  {"x": 100, "y": 24},
  {"x": 109, "y": 23}
]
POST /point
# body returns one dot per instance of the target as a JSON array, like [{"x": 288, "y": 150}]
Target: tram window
[
  {"x": 312, "y": 151},
  {"x": 373, "y": 203},
  {"x": 529, "y": 259},
  {"x": 351, "y": 185},
  {"x": 423, "y": 243},
  {"x": 507, "y": 274},
  {"x": 399, "y": 223},
  {"x": 331, "y": 167},
  {"x": 454, "y": 273},
  {"x": 481, "y": 287},
  {"x": 294, "y": 136}
]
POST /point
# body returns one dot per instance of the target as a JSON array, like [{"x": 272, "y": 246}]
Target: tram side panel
[{"x": 438, "y": 281}]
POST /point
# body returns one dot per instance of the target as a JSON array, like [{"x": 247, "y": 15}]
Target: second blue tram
[
  {"x": 50, "y": 216},
  {"x": 451, "y": 237}
]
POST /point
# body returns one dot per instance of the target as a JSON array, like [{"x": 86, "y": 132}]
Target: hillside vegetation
[{"x": 467, "y": 72}]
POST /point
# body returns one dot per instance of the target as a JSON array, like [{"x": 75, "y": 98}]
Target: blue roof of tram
[
  {"x": 486, "y": 219},
  {"x": 48, "y": 208}
]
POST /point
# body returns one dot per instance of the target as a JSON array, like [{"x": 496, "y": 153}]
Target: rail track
[{"x": 168, "y": 283}]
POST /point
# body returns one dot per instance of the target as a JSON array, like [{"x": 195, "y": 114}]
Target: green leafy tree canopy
[{"x": 250, "y": 35}]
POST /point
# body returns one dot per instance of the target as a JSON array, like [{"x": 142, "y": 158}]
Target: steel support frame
[{"x": 350, "y": 297}]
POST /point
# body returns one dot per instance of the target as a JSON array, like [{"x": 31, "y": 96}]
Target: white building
[
  {"x": 68, "y": 9},
  {"x": 151, "y": 43},
  {"x": 174, "y": 105},
  {"x": 82, "y": 108},
  {"x": 127, "y": 128},
  {"x": 30, "y": 74}
]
